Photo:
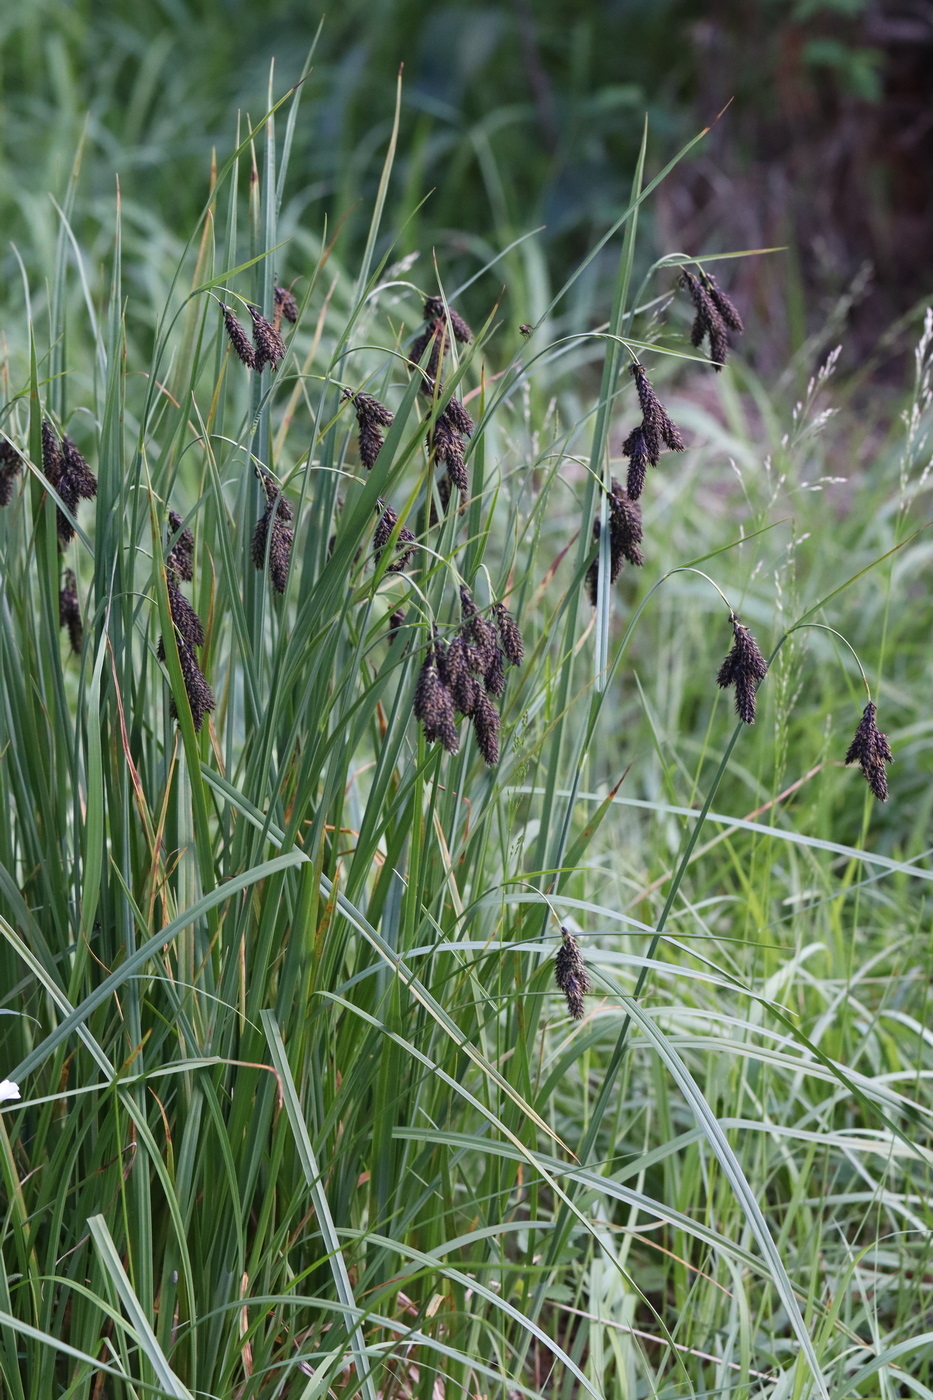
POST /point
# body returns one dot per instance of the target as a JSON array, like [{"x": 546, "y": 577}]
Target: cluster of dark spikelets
[
  {"x": 11, "y": 464},
  {"x": 656, "y": 430},
  {"x": 371, "y": 415},
  {"x": 871, "y": 751},
  {"x": 471, "y": 669},
  {"x": 445, "y": 441},
  {"x": 435, "y": 334},
  {"x": 715, "y": 315},
  {"x": 625, "y": 535},
  {"x": 267, "y": 347},
  {"x": 284, "y": 304},
  {"x": 275, "y": 519},
  {"x": 403, "y": 545},
  {"x": 570, "y": 973},
  {"x": 744, "y": 667},
  {"x": 434, "y": 705},
  {"x": 71, "y": 476},
  {"x": 69, "y": 611},
  {"x": 189, "y": 633}
]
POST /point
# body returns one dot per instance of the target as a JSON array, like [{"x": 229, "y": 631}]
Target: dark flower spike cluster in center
[
  {"x": 274, "y": 534},
  {"x": 70, "y": 475},
  {"x": 744, "y": 668},
  {"x": 625, "y": 535},
  {"x": 570, "y": 973},
  {"x": 189, "y": 633},
  {"x": 460, "y": 677},
  {"x": 872, "y": 752},
  {"x": 267, "y": 346},
  {"x": 453, "y": 424},
  {"x": 715, "y": 315}
]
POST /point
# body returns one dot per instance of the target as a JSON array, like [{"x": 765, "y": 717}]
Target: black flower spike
[
  {"x": 625, "y": 530},
  {"x": 11, "y": 464},
  {"x": 494, "y": 675},
  {"x": 434, "y": 706},
  {"x": 459, "y": 665},
  {"x": 200, "y": 696},
  {"x": 285, "y": 305},
  {"x": 486, "y": 727},
  {"x": 634, "y": 449},
  {"x": 276, "y": 517},
  {"x": 723, "y": 305},
  {"x": 479, "y": 633},
  {"x": 69, "y": 612},
  {"x": 447, "y": 447},
  {"x": 396, "y": 620},
  {"x": 434, "y": 335},
  {"x": 570, "y": 974},
  {"x": 387, "y": 523},
  {"x": 509, "y": 634},
  {"x": 371, "y": 415},
  {"x": 51, "y": 452},
  {"x": 458, "y": 418},
  {"x": 657, "y": 427},
  {"x": 434, "y": 310},
  {"x": 268, "y": 344},
  {"x": 76, "y": 482},
  {"x": 871, "y": 751},
  {"x": 708, "y": 320},
  {"x": 180, "y": 558},
  {"x": 744, "y": 667},
  {"x": 187, "y": 623},
  {"x": 238, "y": 338}
]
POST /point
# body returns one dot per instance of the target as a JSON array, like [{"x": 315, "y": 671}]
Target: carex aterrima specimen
[
  {"x": 189, "y": 632},
  {"x": 404, "y": 543},
  {"x": 744, "y": 667},
  {"x": 11, "y": 464},
  {"x": 656, "y": 430},
  {"x": 268, "y": 346},
  {"x": 715, "y": 315},
  {"x": 371, "y": 415},
  {"x": 625, "y": 535},
  {"x": 274, "y": 533},
  {"x": 284, "y": 305},
  {"x": 238, "y": 338},
  {"x": 570, "y": 973},
  {"x": 871, "y": 751},
  {"x": 69, "y": 611},
  {"x": 434, "y": 705},
  {"x": 71, "y": 476}
]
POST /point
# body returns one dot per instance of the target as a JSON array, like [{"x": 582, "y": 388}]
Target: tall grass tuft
[{"x": 416, "y": 982}]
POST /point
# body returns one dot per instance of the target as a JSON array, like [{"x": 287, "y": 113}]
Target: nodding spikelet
[
  {"x": 200, "y": 696},
  {"x": 396, "y": 620},
  {"x": 460, "y": 663},
  {"x": 447, "y": 446},
  {"x": 625, "y": 535},
  {"x": 11, "y": 464},
  {"x": 180, "y": 558},
  {"x": 275, "y": 517},
  {"x": 69, "y": 611},
  {"x": 76, "y": 482},
  {"x": 509, "y": 634},
  {"x": 434, "y": 705},
  {"x": 371, "y": 415},
  {"x": 709, "y": 321},
  {"x": 435, "y": 310},
  {"x": 634, "y": 449},
  {"x": 435, "y": 335},
  {"x": 871, "y": 751},
  {"x": 723, "y": 305},
  {"x": 458, "y": 418},
  {"x": 387, "y": 523},
  {"x": 268, "y": 345},
  {"x": 485, "y": 720},
  {"x": 285, "y": 305},
  {"x": 51, "y": 452},
  {"x": 238, "y": 338},
  {"x": 570, "y": 974},
  {"x": 187, "y": 623},
  {"x": 480, "y": 634},
  {"x": 744, "y": 667},
  {"x": 656, "y": 425}
]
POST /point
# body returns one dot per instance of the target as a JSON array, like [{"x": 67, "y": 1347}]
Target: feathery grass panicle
[
  {"x": 872, "y": 752},
  {"x": 570, "y": 974},
  {"x": 11, "y": 464},
  {"x": 744, "y": 667},
  {"x": 238, "y": 338},
  {"x": 268, "y": 346},
  {"x": 180, "y": 558},
  {"x": 69, "y": 611},
  {"x": 433, "y": 704}
]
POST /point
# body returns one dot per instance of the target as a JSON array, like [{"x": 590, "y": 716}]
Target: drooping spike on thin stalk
[
  {"x": 76, "y": 482},
  {"x": 634, "y": 449},
  {"x": 238, "y": 338},
  {"x": 570, "y": 974},
  {"x": 405, "y": 539},
  {"x": 371, "y": 415},
  {"x": 485, "y": 720},
  {"x": 200, "y": 696},
  {"x": 509, "y": 634},
  {"x": 656, "y": 424},
  {"x": 434, "y": 706},
  {"x": 744, "y": 667},
  {"x": 434, "y": 310},
  {"x": 285, "y": 305},
  {"x": 275, "y": 518},
  {"x": 69, "y": 611},
  {"x": 180, "y": 558},
  {"x": 268, "y": 344},
  {"x": 11, "y": 464},
  {"x": 723, "y": 305},
  {"x": 872, "y": 752},
  {"x": 708, "y": 321}
]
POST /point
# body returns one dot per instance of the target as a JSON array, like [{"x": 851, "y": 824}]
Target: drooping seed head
[
  {"x": 238, "y": 338},
  {"x": 872, "y": 752},
  {"x": 570, "y": 974},
  {"x": 200, "y": 696},
  {"x": 458, "y": 418},
  {"x": 744, "y": 667},
  {"x": 486, "y": 727},
  {"x": 634, "y": 448},
  {"x": 434, "y": 706},
  {"x": 723, "y": 305},
  {"x": 285, "y": 304},
  {"x": 187, "y": 623},
  {"x": 51, "y": 452},
  {"x": 625, "y": 530},
  {"x": 268, "y": 344},
  {"x": 509, "y": 634},
  {"x": 180, "y": 558},
  {"x": 11, "y": 464},
  {"x": 69, "y": 611},
  {"x": 275, "y": 518},
  {"x": 435, "y": 310},
  {"x": 708, "y": 320}
]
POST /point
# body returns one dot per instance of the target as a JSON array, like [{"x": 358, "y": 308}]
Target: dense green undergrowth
[{"x": 303, "y": 1112}]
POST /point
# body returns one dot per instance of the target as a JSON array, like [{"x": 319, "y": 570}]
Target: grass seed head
[
  {"x": 570, "y": 974},
  {"x": 180, "y": 558},
  {"x": 509, "y": 634},
  {"x": 11, "y": 464},
  {"x": 634, "y": 449},
  {"x": 200, "y": 696},
  {"x": 69, "y": 611},
  {"x": 872, "y": 752},
  {"x": 486, "y": 727},
  {"x": 434, "y": 705},
  {"x": 435, "y": 310},
  {"x": 238, "y": 338},
  {"x": 275, "y": 517},
  {"x": 285, "y": 305},
  {"x": 723, "y": 305},
  {"x": 708, "y": 320},
  {"x": 268, "y": 345},
  {"x": 51, "y": 452}
]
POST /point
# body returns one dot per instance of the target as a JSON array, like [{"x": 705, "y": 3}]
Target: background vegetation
[{"x": 303, "y": 1113}]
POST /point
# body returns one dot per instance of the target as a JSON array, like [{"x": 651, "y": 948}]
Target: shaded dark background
[{"x": 518, "y": 114}]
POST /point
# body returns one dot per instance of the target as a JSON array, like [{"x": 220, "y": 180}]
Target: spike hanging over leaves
[
  {"x": 238, "y": 338},
  {"x": 11, "y": 464},
  {"x": 371, "y": 415},
  {"x": 69, "y": 611},
  {"x": 268, "y": 345},
  {"x": 275, "y": 518},
  {"x": 509, "y": 634},
  {"x": 434, "y": 706},
  {"x": 180, "y": 558},
  {"x": 872, "y": 752},
  {"x": 570, "y": 973},
  {"x": 435, "y": 310},
  {"x": 285, "y": 305},
  {"x": 745, "y": 668}
]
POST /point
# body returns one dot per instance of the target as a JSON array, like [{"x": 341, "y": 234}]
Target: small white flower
[{"x": 8, "y": 1090}]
